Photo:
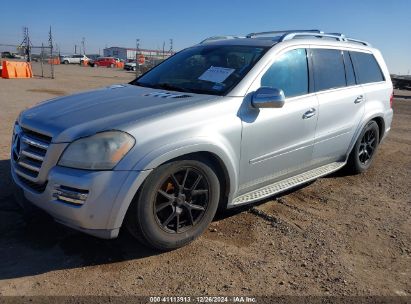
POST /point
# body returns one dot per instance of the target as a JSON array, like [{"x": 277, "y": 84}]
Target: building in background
[{"x": 130, "y": 53}]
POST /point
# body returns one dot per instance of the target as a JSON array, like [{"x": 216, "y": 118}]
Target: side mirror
[{"x": 266, "y": 97}]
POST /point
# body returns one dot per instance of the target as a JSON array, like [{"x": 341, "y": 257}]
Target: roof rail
[
  {"x": 291, "y": 34},
  {"x": 252, "y": 35},
  {"x": 337, "y": 36},
  {"x": 358, "y": 41},
  {"x": 223, "y": 37}
]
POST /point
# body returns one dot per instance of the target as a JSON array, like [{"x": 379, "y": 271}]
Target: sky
[{"x": 386, "y": 24}]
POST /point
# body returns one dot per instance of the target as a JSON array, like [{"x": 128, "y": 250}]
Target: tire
[
  {"x": 363, "y": 152},
  {"x": 133, "y": 69},
  {"x": 160, "y": 215},
  {"x": 111, "y": 65},
  {"x": 66, "y": 62}
]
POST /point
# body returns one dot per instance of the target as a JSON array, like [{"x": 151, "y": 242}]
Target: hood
[{"x": 83, "y": 114}]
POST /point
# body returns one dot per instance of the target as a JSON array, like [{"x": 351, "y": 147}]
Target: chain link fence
[{"x": 42, "y": 58}]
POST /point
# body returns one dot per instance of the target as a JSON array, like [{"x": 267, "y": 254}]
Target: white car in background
[
  {"x": 74, "y": 59},
  {"x": 130, "y": 66}
]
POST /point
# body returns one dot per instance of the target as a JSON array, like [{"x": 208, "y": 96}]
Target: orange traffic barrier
[
  {"x": 84, "y": 63},
  {"x": 54, "y": 61},
  {"x": 13, "y": 69},
  {"x": 120, "y": 65}
]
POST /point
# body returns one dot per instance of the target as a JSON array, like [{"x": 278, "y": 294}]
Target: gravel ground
[{"x": 340, "y": 235}]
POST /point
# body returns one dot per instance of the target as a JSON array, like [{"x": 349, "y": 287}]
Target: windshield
[{"x": 204, "y": 69}]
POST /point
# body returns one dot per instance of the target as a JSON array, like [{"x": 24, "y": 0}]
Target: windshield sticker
[{"x": 216, "y": 74}]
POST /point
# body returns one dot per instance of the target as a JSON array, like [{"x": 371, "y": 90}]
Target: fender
[
  {"x": 155, "y": 158},
  {"x": 218, "y": 146},
  {"x": 366, "y": 119}
]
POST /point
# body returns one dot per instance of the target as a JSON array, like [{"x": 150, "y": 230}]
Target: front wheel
[
  {"x": 175, "y": 205},
  {"x": 364, "y": 149}
]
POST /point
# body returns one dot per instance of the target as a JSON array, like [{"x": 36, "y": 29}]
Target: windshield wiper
[
  {"x": 167, "y": 86},
  {"x": 140, "y": 84}
]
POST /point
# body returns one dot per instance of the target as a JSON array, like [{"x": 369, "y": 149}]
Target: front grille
[
  {"x": 29, "y": 149},
  {"x": 33, "y": 186}
]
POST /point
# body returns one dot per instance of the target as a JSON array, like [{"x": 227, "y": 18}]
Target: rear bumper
[
  {"x": 109, "y": 193},
  {"x": 388, "y": 121}
]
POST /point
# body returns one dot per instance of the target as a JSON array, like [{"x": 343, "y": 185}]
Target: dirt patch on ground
[
  {"x": 340, "y": 235},
  {"x": 48, "y": 91}
]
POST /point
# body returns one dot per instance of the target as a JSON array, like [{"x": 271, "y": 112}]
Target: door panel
[
  {"x": 277, "y": 143},
  {"x": 340, "y": 113},
  {"x": 340, "y": 101}
]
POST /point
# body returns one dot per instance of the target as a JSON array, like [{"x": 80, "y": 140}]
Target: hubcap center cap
[{"x": 180, "y": 199}]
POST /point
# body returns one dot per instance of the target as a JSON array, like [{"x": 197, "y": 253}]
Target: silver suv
[{"x": 220, "y": 124}]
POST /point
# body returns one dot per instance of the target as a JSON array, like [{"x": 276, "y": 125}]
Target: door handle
[
  {"x": 309, "y": 113},
  {"x": 359, "y": 99}
]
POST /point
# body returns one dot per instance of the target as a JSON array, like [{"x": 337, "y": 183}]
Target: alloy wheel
[
  {"x": 367, "y": 146},
  {"x": 181, "y": 200}
]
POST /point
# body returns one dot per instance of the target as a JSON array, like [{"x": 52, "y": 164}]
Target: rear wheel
[
  {"x": 175, "y": 205},
  {"x": 65, "y": 62},
  {"x": 364, "y": 149}
]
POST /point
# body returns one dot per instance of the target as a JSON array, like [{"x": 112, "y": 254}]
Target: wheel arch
[
  {"x": 221, "y": 160},
  {"x": 379, "y": 119}
]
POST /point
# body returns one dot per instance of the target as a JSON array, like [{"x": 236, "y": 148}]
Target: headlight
[{"x": 101, "y": 151}]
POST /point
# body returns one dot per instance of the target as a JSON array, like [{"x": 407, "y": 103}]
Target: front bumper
[{"x": 109, "y": 193}]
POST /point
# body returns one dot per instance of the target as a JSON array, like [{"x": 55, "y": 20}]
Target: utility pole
[
  {"x": 26, "y": 43},
  {"x": 171, "y": 45},
  {"x": 51, "y": 53},
  {"x": 164, "y": 45},
  {"x": 83, "y": 42},
  {"x": 137, "y": 53},
  {"x": 75, "y": 49}
]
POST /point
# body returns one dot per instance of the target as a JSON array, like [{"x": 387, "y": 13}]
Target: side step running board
[{"x": 286, "y": 184}]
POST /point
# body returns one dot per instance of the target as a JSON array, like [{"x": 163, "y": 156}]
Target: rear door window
[
  {"x": 289, "y": 73},
  {"x": 366, "y": 68},
  {"x": 329, "y": 71}
]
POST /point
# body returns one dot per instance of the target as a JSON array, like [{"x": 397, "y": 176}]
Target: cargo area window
[
  {"x": 289, "y": 73},
  {"x": 366, "y": 68}
]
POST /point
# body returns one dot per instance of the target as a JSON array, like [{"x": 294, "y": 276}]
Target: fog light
[{"x": 70, "y": 195}]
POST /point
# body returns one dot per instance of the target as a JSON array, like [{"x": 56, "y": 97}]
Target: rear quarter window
[
  {"x": 329, "y": 71},
  {"x": 366, "y": 68}
]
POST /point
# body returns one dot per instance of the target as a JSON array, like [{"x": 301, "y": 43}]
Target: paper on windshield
[{"x": 216, "y": 74}]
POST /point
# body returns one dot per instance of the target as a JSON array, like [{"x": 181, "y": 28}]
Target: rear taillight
[{"x": 391, "y": 99}]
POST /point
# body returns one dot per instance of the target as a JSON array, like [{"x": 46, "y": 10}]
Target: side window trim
[{"x": 311, "y": 87}]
